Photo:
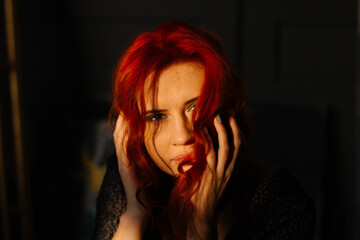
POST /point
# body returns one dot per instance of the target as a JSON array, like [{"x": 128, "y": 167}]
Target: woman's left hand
[{"x": 215, "y": 178}]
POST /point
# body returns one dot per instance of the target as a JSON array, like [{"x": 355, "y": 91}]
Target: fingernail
[{"x": 218, "y": 118}]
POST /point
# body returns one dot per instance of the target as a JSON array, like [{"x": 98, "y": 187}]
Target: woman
[{"x": 180, "y": 140}]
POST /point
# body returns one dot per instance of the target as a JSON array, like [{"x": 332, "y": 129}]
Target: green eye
[{"x": 191, "y": 107}]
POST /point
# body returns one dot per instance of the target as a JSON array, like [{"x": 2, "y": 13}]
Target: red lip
[{"x": 181, "y": 157}]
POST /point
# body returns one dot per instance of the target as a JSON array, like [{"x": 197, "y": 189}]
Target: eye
[
  {"x": 191, "y": 107},
  {"x": 155, "y": 117}
]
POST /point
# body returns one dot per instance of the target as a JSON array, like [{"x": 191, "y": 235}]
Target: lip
[{"x": 181, "y": 157}]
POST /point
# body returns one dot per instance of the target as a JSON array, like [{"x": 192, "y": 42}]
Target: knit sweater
[{"x": 278, "y": 209}]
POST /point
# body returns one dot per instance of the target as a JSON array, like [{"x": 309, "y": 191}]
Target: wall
[{"x": 298, "y": 60}]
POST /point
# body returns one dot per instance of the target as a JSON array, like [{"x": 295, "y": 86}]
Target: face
[{"x": 168, "y": 134}]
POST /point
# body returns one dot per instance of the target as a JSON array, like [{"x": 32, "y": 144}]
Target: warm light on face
[{"x": 168, "y": 134}]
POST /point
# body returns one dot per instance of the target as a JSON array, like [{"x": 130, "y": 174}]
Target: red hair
[{"x": 222, "y": 92}]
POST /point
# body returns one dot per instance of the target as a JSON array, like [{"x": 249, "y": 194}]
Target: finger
[
  {"x": 120, "y": 141},
  {"x": 119, "y": 132},
  {"x": 223, "y": 152},
  {"x": 237, "y": 143},
  {"x": 236, "y": 132},
  {"x": 211, "y": 155},
  {"x": 119, "y": 127}
]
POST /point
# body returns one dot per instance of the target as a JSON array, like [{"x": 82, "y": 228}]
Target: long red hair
[{"x": 150, "y": 53}]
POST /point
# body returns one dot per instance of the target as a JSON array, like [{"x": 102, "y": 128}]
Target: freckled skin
[
  {"x": 168, "y": 135},
  {"x": 178, "y": 84}
]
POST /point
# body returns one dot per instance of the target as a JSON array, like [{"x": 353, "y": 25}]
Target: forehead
[{"x": 176, "y": 83}]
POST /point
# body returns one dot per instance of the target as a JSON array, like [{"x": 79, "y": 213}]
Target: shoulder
[{"x": 280, "y": 208}]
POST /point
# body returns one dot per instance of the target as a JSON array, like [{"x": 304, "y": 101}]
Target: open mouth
[
  {"x": 184, "y": 160},
  {"x": 181, "y": 158}
]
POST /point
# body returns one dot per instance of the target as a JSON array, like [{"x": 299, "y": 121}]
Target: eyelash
[
  {"x": 191, "y": 107},
  {"x": 156, "y": 117},
  {"x": 161, "y": 116}
]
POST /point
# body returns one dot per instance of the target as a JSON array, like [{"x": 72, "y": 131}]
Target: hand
[
  {"x": 131, "y": 222},
  {"x": 126, "y": 170},
  {"x": 215, "y": 178}
]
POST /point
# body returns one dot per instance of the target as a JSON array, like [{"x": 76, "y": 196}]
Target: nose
[{"x": 182, "y": 132}]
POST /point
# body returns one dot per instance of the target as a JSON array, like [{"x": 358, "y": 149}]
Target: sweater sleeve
[
  {"x": 279, "y": 209},
  {"x": 299, "y": 227},
  {"x": 111, "y": 202}
]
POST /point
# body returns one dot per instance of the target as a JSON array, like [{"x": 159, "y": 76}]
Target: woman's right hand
[{"x": 130, "y": 226}]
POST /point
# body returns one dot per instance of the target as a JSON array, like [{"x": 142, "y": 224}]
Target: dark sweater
[{"x": 278, "y": 209}]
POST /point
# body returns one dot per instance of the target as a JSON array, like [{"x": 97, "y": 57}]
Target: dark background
[{"x": 298, "y": 59}]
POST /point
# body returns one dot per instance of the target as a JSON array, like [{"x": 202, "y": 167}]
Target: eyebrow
[
  {"x": 162, "y": 110},
  {"x": 154, "y": 111},
  {"x": 191, "y": 100}
]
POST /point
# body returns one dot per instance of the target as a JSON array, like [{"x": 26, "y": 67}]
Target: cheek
[
  {"x": 155, "y": 141},
  {"x": 158, "y": 149},
  {"x": 148, "y": 140}
]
